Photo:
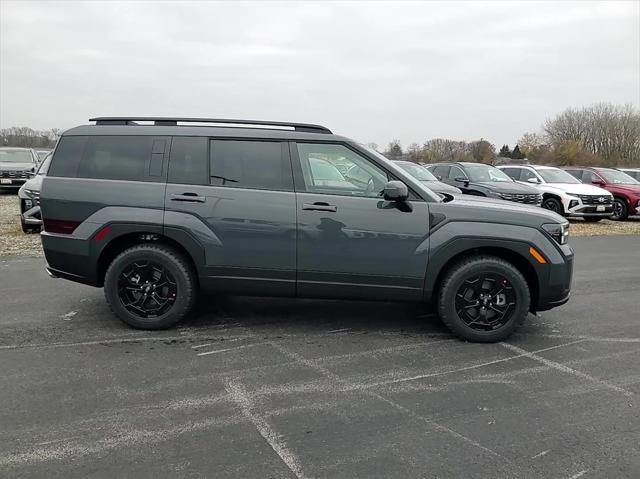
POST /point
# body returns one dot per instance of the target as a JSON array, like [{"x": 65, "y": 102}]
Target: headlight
[
  {"x": 30, "y": 192},
  {"x": 572, "y": 194},
  {"x": 558, "y": 231}
]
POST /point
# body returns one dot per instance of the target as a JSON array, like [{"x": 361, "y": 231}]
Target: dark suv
[
  {"x": 485, "y": 180},
  {"x": 156, "y": 209}
]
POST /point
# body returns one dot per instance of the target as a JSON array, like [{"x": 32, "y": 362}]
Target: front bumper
[
  {"x": 555, "y": 289},
  {"x": 12, "y": 183},
  {"x": 30, "y": 209}
]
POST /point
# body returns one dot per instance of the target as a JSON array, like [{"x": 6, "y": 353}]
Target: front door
[{"x": 351, "y": 242}]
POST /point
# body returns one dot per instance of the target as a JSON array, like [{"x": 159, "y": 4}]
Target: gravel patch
[{"x": 14, "y": 242}]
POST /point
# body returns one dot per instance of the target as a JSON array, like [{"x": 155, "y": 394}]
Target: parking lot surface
[{"x": 254, "y": 387}]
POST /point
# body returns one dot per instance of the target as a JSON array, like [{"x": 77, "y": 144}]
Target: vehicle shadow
[{"x": 313, "y": 316}]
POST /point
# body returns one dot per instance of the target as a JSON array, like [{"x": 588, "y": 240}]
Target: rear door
[
  {"x": 235, "y": 198},
  {"x": 351, "y": 242}
]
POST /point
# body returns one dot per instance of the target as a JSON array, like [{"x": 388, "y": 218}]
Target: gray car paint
[{"x": 264, "y": 242}]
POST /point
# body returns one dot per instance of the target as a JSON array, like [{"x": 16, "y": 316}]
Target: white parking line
[
  {"x": 207, "y": 353},
  {"x": 275, "y": 441},
  {"x": 566, "y": 369}
]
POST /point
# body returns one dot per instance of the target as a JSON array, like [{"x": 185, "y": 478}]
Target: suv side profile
[
  {"x": 624, "y": 188},
  {"x": 564, "y": 194},
  {"x": 479, "y": 179},
  {"x": 156, "y": 210}
]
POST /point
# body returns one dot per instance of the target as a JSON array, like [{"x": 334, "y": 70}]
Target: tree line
[
  {"x": 29, "y": 138},
  {"x": 603, "y": 134}
]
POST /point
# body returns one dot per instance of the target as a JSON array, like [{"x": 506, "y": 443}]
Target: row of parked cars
[{"x": 574, "y": 192}]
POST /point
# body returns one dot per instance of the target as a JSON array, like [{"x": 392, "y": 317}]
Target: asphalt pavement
[{"x": 261, "y": 388}]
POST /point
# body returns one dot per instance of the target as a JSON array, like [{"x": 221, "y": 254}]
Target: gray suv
[{"x": 158, "y": 209}]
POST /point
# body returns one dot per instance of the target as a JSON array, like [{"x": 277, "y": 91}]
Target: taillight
[{"x": 60, "y": 226}]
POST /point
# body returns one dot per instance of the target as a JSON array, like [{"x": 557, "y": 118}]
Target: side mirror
[
  {"x": 598, "y": 182},
  {"x": 396, "y": 191},
  {"x": 461, "y": 179},
  {"x": 439, "y": 177},
  {"x": 535, "y": 181}
]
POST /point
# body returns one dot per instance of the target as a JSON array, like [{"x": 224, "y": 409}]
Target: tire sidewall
[
  {"x": 623, "y": 213},
  {"x": 181, "y": 303},
  {"x": 557, "y": 205},
  {"x": 447, "y": 301}
]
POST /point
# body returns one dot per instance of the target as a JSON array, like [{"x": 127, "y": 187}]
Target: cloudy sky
[{"x": 373, "y": 71}]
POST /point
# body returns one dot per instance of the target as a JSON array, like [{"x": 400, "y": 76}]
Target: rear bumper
[{"x": 69, "y": 258}]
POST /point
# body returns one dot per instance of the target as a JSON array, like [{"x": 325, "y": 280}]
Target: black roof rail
[{"x": 162, "y": 121}]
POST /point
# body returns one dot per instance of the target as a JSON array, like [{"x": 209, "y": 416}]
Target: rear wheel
[
  {"x": 620, "y": 212},
  {"x": 150, "y": 286},
  {"x": 553, "y": 204},
  {"x": 483, "y": 299}
]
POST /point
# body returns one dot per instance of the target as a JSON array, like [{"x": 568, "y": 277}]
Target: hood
[
  {"x": 15, "y": 166},
  {"x": 473, "y": 208},
  {"x": 577, "y": 188},
  {"x": 34, "y": 184},
  {"x": 440, "y": 187},
  {"x": 507, "y": 187}
]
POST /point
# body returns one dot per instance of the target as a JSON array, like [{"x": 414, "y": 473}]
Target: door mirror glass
[{"x": 396, "y": 191}]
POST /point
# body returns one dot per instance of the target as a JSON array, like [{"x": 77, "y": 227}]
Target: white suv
[{"x": 563, "y": 193}]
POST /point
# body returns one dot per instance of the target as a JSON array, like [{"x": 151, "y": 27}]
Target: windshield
[
  {"x": 44, "y": 166},
  {"x": 323, "y": 170},
  {"x": 486, "y": 173},
  {"x": 556, "y": 175},
  {"x": 418, "y": 172},
  {"x": 16, "y": 156},
  {"x": 616, "y": 177}
]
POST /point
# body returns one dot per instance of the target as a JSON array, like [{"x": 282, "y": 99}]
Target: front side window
[
  {"x": 556, "y": 175},
  {"x": 590, "y": 177},
  {"x": 482, "y": 173},
  {"x": 526, "y": 175},
  {"x": 360, "y": 178},
  {"x": 514, "y": 173},
  {"x": 616, "y": 177},
  {"x": 456, "y": 172},
  {"x": 441, "y": 171},
  {"x": 250, "y": 164}
]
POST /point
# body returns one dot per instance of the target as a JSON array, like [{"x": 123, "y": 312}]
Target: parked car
[
  {"x": 632, "y": 172},
  {"x": 29, "y": 197},
  {"x": 625, "y": 189},
  {"x": 325, "y": 174},
  {"x": 423, "y": 175},
  {"x": 17, "y": 165},
  {"x": 564, "y": 194},
  {"x": 155, "y": 213},
  {"x": 485, "y": 180},
  {"x": 42, "y": 153}
]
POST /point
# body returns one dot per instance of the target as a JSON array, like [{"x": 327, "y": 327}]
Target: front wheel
[
  {"x": 150, "y": 286},
  {"x": 553, "y": 205},
  {"x": 620, "y": 212},
  {"x": 483, "y": 299}
]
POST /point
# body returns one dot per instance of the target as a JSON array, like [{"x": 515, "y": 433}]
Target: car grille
[
  {"x": 529, "y": 199},
  {"x": 15, "y": 174},
  {"x": 596, "y": 199}
]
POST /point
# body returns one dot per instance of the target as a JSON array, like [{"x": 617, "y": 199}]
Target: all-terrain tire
[
  {"x": 468, "y": 268},
  {"x": 176, "y": 265}
]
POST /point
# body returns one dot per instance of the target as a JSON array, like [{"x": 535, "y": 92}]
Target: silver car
[
  {"x": 29, "y": 197},
  {"x": 17, "y": 165}
]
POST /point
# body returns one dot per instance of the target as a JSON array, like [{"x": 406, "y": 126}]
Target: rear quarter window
[{"x": 67, "y": 156}]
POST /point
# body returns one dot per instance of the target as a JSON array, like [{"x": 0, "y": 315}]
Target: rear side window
[
  {"x": 67, "y": 156},
  {"x": 250, "y": 164},
  {"x": 188, "y": 161},
  {"x": 116, "y": 158}
]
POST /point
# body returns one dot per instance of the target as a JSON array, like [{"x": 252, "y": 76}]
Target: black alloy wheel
[
  {"x": 147, "y": 289},
  {"x": 485, "y": 302},
  {"x": 619, "y": 210},
  {"x": 553, "y": 205}
]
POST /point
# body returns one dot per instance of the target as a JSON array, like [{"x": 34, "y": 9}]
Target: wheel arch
[
  {"x": 121, "y": 242},
  {"x": 515, "y": 258}
]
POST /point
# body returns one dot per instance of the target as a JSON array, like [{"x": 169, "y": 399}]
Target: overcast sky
[{"x": 372, "y": 71}]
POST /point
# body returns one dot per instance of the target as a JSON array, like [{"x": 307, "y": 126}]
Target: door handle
[
  {"x": 319, "y": 206},
  {"x": 191, "y": 197}
]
